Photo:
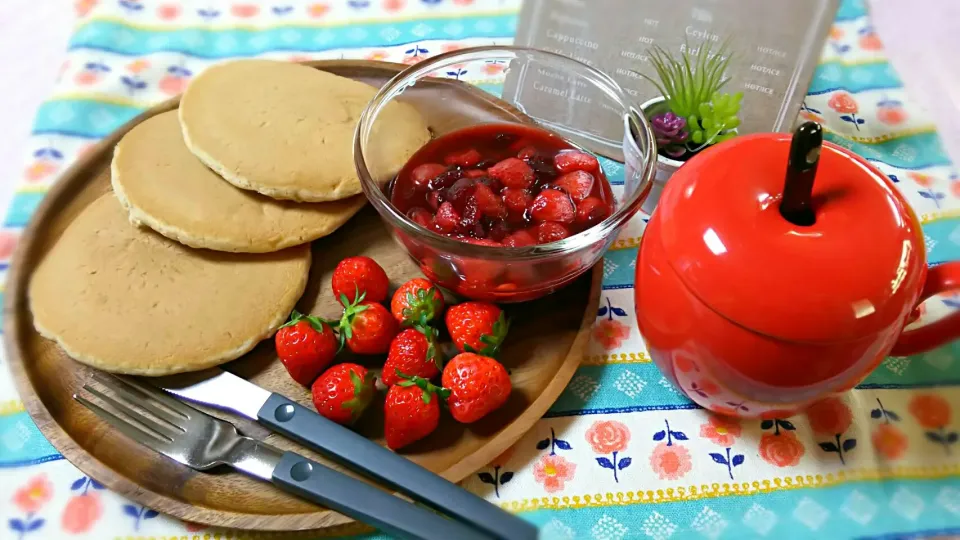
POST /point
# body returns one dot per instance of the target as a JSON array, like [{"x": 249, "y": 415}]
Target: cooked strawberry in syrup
[{"x": 507, "y": 184}]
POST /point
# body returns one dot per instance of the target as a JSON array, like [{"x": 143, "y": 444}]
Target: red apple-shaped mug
[{"x": 778, "y": 269}]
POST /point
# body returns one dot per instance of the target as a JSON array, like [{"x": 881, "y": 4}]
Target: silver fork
[{"x": 200, "y": 441}]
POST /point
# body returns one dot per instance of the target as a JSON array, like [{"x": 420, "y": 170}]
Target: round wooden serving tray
[{"x": 545, "y": 345}]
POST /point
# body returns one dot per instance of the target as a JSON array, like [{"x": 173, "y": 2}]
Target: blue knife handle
[
  {"x": 365, "y": 503},
  {"x": 378, "y": 463}
]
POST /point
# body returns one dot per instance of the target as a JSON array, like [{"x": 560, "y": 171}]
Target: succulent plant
[
  {"x": 690, "y": 85},
  {"x": 687, "y": 82},
  {"x": 717, "y": 120},
  {"x": 671, "y": 132}
]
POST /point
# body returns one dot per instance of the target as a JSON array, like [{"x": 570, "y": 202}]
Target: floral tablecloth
[{"x": 621, "y": 454}]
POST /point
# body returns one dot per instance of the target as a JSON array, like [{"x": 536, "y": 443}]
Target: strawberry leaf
[
  {"x": 362, "y": 394},
  {"x": 318, "y": 322},
  {"x": 421, "y": 307},
  {"x": 493, "y": 341},
  {"x": 295, "y": 317},
  {"x": 424, "y": 385},
  {"x": 350, "y": 311},
  {"x": 433, "y": 355},
  {"x": 407, "y": 379}
]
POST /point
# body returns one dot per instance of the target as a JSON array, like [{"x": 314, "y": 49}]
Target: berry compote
[{"x": 503, "y": 185}]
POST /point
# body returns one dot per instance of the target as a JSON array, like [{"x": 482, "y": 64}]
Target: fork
[{"x": 200, "y": 441}]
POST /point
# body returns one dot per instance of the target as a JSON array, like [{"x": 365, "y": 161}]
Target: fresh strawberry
[
  {"x": 412, "y": 352},
  {"x": 367, "y": 327},
  {"x": 489, "y": 203},
  {"x": 591, "y": 211},
  {"x": 478, "y": 327},
  {"x": 512, "y": 172},
  {"x": 575, "y": 160},
  {"x": 422, "y": 175},
  {"x": 478, "y": 385},
  {"x": 343, "y": 392},
  {"x": 416, "y": 302},
  {"x": 466, "y": 158},
  {"x": 306, "y": 345},
  {"x": 577, "y": 184},
  {"x": 411, "y": 411},
  {"x": 447, "y": 218},
  {"x": 553, "y": 205},
  {"x": 549, "y": 231},
  {"x": 356, "y": 276},
  {"x": 520, "y": 238}
]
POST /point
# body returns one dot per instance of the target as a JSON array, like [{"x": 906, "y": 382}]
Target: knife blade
[
  {"x": 224, "y": 390},
  {"x": 217, "y": 388}
]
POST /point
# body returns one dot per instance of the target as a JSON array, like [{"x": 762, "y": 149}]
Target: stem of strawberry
[
  {"x": 426, "y": 386},
  {"x": 315, "y": 321},
  {"x": 493, "y": 341},
  {"x": 433, "y": 352},
  {"x": 350, "y": 310},
  {"x": 421, "y": 307}
]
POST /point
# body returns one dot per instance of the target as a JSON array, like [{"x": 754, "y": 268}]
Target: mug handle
[{"x": 940, "y": 278}]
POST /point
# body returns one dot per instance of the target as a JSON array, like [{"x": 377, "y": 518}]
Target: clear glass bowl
[{"x": 513, "y": 84}]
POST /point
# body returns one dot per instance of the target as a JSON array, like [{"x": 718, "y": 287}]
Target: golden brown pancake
[
  {"x": 166, "y": 188},
  {"x": 286, "y": 130},
  {"x": 125, "y": 299}
]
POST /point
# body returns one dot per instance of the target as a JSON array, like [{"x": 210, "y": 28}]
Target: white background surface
[
  {"x": 33, "y": 39},
  {"x": 920, "y": 36}
]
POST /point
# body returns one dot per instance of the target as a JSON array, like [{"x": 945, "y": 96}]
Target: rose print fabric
[{"x": 622, "y": 454}]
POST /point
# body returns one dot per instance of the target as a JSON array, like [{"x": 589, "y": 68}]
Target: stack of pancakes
[{"x": 202, "y": 249}]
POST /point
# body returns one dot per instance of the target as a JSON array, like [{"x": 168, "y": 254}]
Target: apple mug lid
[{"x": 855, "y": 271}]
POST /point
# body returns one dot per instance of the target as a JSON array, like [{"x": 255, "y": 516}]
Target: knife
[{"x": 224, "y": 390}]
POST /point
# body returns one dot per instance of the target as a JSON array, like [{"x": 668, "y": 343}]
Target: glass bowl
[{"x": 520, "y": 85}]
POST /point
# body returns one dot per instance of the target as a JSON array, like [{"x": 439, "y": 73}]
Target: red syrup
[{"x": 503, "y": 185}]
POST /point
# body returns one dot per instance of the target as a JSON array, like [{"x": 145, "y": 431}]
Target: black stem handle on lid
[{"x": 797, "y": 206}]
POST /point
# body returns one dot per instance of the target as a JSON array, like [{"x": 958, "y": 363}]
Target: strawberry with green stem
[
  {"x": 414, "y": 352},
  {"x": 411, "y": 410},
  {"x": 343, "y": 392},
  {"x": 477, "y": 327},
  {"x": 306, "y": 345},
  {"x": 478, "y": 385},
  {"x": 416, "y": 302},
  {"x": 366, "y": 327}
]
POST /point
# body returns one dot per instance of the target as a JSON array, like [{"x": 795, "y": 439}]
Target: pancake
[
  {"x": 286, "y": 130},
  {"x": 166, "y": 188},
  {"x": 127, "y": 300}
]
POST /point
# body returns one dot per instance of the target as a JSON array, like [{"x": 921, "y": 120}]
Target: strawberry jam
[{"x": 503, "y": 184}]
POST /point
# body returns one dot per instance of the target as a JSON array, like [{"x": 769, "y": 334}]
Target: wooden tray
[{"x": 544, "y": 348}]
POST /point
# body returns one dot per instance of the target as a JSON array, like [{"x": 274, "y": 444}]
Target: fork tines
[{"x": 135, "y": 409}]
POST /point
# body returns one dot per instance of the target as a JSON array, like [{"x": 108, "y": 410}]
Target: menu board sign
[{"x": 774, "y": 47}]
